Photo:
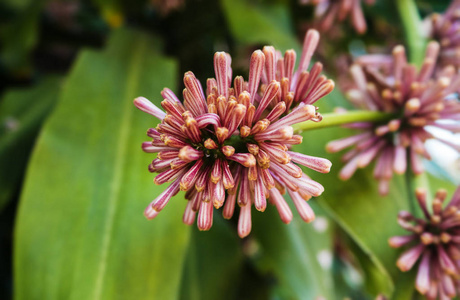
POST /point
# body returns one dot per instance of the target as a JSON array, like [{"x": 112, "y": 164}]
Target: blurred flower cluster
[
  {"x": 327, "y": 12},
  {"x": 435, "y": 242},
  {"x": 445, "y": 28},
  {"x": 413, "y": 99}
]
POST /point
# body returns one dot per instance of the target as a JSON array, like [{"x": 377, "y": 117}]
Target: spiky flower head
[
  {"x": 435, "y": 242},
  {"x": 445, "y": 29},
  {"x": 414, "y": 99},
  {"x": 329, "y": 12},
  {"x": 232, "y": 144}
]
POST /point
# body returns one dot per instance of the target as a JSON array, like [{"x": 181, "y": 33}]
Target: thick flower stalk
[
  {"x": 229, "y": 145},
  {"x": 329, "y": 12},
  {"x": 435, "y": 242},
  {"x": 445, "y": 29},
  {"x": 414, "y": 98}
]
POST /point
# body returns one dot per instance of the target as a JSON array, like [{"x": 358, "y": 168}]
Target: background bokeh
[{"x": 74, "y": 181}]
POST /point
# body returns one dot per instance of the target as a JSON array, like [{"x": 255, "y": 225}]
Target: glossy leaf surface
[
  {"x": 297, "y": 255},
  {"x": 80, "y": 231},
  {"x": 213, "y": 264},
  {"x": 254, "y": 22}
]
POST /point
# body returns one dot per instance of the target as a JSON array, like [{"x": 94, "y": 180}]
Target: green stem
[
  {"x": 413, "y": 182},
  {"x": 335, "y": 119},
  {"x": 416, "y": 41},
  {"x": 422, "y": 181},
  {"x": 409, "y": 176}
]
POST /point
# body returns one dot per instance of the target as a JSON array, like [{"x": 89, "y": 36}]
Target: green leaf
[
  {"x": 262, "y": 23},
  {"x": 80, "y": 231},
  {"x": 292, "y": 253},
  {"x": 375, "y": 281},
  {"x": 405, "y": 286},
  {"x": 356, "y": 206},
  {"x": 213, "y": 263},
  {"x": 22, "y": 113}
]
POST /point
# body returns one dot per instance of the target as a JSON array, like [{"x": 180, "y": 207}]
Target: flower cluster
[
  {"x": 328, "y": 12},
  {"x": 435, "y": 241},
  {"x": 445, "y": 28},
  {"x": 413, "y": 100},
  {"x": 232, "y": 144}
]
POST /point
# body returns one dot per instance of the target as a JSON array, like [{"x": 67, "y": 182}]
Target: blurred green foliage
[
  {"x": 21, "y": 35},
  {"x": 22, "y": 113}
]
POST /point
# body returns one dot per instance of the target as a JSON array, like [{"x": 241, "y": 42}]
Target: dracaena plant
[
  {"x": 230, "y": 144},
  {"x": 337, "y": 134}
]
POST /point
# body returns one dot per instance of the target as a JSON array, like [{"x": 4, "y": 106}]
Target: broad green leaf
[
  {"x": 297, "y": 255},
  {"x": 375, "y": 281},
  {"x": 405, "y": 286},
  {"x": 253, "y": 22},
  {"x": 22, "y": 113},
  {"x": 213, "y": 264},
  {"x": 80, "y": 232},
  {"x": 367, "y": 217},
  {"x": 355, "y": 275},
  {"x": 355, "y": 204}
]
